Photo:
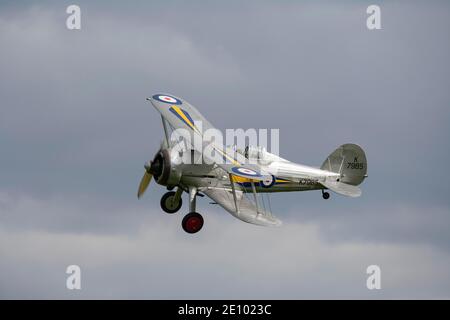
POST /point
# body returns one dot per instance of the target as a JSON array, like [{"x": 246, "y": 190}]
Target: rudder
[{"x": 349, "y": 160}]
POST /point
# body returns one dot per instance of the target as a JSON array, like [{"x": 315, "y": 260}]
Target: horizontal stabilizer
[{"x": 342, "y": 188}]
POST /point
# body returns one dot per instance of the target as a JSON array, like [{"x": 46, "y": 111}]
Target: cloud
[{"x": 144, "y": 254}]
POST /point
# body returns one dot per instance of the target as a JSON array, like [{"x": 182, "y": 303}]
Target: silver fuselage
[{"x": 203, "y": 176}]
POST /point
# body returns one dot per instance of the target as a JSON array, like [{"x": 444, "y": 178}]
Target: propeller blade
[{"x": 145, "y": 181}]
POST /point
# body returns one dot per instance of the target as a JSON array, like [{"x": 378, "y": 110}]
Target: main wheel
[
  {"x": 325, "y": 195},
  {"x": 192, "y": 222},
  {"x": 168, "y": 203}
]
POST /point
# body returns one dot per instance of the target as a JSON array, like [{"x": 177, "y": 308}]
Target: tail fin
[{"x": 349, "y": 160}]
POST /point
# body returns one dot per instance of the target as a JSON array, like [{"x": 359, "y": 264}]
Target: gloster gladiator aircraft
[{"x": 238, "y": 184}]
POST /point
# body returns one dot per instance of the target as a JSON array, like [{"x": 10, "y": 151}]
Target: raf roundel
[
  {"x": 245, "y": 172},
  {"x": 268, "y": 181},
  {"x": 166, "y": 99}
]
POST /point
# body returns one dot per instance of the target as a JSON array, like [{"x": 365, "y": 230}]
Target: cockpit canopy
[
  {"x": 255, "y": 152},
  {"x": 258, "y": 154}
]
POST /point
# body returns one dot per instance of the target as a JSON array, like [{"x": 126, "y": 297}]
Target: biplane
[{"x": 238, "y": 183}]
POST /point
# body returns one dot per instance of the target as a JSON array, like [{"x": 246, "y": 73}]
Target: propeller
[
  {"x": 152, "y": 168},
  {"x": 145, "y": 181}
]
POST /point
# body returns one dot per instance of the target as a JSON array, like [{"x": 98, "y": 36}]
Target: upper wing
[
  {"x": 247, "y": 211},
  {"x": 179, "y": 113},
  {"x": 182, "y": 115}
]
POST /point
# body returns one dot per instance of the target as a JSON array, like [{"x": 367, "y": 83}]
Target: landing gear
[
  {"x": 325, "y": 195},
  {"x": 192, "y": 222},
  {"x": 171, "y": 201}
]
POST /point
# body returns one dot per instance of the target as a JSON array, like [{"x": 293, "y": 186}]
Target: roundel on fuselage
[
  {"x": 245, "y": 172},
  {"x": 268, "y": 181}
]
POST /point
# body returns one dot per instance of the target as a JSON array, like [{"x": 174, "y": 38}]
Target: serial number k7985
[{"x": 355, "y": 165}]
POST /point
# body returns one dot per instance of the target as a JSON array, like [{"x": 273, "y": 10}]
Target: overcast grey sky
[{"x": 75, "y": 131}]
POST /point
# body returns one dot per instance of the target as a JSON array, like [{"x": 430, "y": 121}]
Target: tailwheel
[
  {"x": 192, "y": 222},
  {"x": 325, "y": 195},
  {"x": 170, "y": 203}
]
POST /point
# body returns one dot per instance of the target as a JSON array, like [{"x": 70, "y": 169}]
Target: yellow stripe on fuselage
[{"x": 242, "y": 180}]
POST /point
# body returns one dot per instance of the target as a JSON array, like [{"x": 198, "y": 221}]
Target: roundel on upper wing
[
  {"x": 245, "y": 172},
  {"x": 166, "y": 99}
]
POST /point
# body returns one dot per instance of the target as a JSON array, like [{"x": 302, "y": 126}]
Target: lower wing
[{"x": 244, "y": 208}]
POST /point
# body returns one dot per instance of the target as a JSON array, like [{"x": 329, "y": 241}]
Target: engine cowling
[{"x": 164, "y": 170}]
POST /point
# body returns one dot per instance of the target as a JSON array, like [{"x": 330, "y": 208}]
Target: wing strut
[
  {"x": 234, "y": 192},
  {"x": 166, "y": 130},
  {"x": 256, "y": 199}
]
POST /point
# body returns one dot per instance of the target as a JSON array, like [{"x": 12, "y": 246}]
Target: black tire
[
  {"x": 192, "y": 222},
  {"x": 326, "y": 195},
  {"x": 166, "y": 203}
]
